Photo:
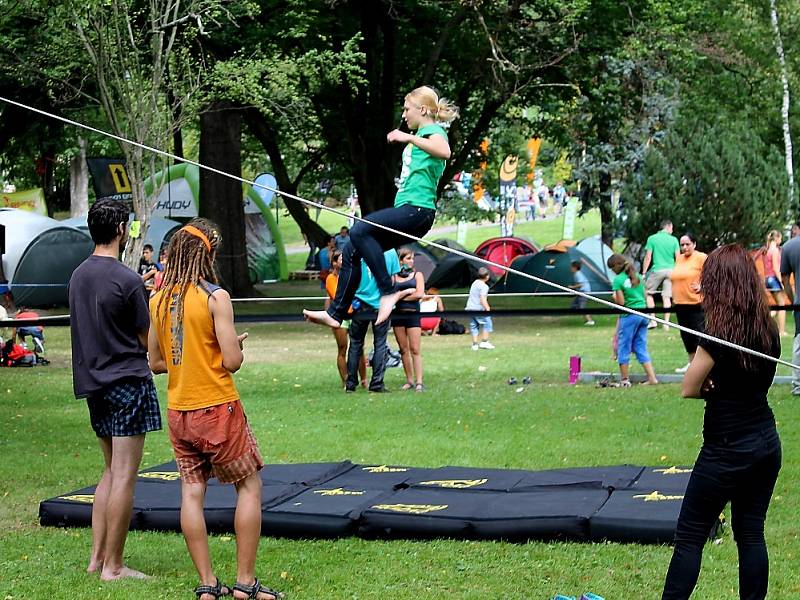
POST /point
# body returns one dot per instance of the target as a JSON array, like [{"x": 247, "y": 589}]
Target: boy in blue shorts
[{"x": 480, "y": 326}]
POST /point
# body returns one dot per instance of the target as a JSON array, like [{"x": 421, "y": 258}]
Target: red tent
[{"x": 503, "y": 251}]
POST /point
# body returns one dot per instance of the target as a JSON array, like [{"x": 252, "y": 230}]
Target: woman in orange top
[
  {"x": 340, "y": 334},
  {"x": 686, "y": 293}
]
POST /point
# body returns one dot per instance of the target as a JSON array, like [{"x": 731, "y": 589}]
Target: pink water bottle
[{"x": 574, "y": 369}]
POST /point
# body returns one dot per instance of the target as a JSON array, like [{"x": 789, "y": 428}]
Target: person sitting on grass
[
  {"x": 628, "y": 289},
  {"x": 582, "y": 285},
  {"x": 192, "y": 324},
  {"x": 480, "y": 326}
]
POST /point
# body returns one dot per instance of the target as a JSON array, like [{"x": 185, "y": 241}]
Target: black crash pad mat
[{"x": 623, "y": 503}]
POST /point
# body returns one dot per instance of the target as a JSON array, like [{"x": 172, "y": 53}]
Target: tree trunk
[
  {"x": 787, "y": 133},
  {"x": 221, "y": 197},
  {"x": 79, "y": 182},
  {"x": 606, "y": 211}
]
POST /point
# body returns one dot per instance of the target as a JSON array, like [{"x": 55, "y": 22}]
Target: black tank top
[{"x": 408, "y": 284}]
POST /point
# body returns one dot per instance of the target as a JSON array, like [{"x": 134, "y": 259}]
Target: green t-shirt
[
  {"x": 420, "y": 174},
  {"x": 634, "y": 296},
  {"x": 663, "y": 246}
]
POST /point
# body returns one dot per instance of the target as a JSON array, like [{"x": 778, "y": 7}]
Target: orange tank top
[{"x": 196, "y": 377}]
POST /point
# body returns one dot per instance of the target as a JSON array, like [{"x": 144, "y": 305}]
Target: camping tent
[
  {"x": 503, "y": 251},
  {"x": 158, "y": 233},
  {"x": 424, "y": 260},
  {"x": 597, "y": 252},
  {"x": 447, "y": 243},
  {"x": 552, "y": 263},
  {"x": 178, "y": 198},
  {"x": 41, "y": 254},
  {"x": 454, "y": 272}
]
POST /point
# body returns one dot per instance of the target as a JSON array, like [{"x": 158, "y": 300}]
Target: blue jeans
[
  {"x": 370, "y": 243},
  {"x": 357, "y": 333},
  {"x": 632, "y": 338},
  {"x": 741, "y": 469}
]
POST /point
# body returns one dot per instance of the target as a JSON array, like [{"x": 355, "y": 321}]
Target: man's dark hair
[
  {"x": 576, "y": 264},
  {"x": 148, "y": 247},
  {"x": 104, "y": 218}
]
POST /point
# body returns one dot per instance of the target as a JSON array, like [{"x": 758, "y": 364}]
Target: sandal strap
[
  {"x": 257, "y": 588},
  {"x": 213, "y": 590}
]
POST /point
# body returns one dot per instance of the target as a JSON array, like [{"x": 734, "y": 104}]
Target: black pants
[
  {"x": 358, "y": 333},
  {"x": 693, "y": 317},
  {"x": 742, "y": 470},
  {"x": 370, "y": 243}
]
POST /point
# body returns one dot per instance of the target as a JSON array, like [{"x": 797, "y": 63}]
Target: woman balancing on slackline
[{"x": 414, "y": 206}]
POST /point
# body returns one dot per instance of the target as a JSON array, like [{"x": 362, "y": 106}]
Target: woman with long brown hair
[{"x": 740, "y": 457}]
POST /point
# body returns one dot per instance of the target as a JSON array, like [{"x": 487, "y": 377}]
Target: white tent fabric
[
  {"x": 41, "y": 254},
  {"x": 597, "y": 252}
]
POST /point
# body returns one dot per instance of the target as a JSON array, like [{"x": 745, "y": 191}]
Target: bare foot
[
  {"x": 650, "y": 382},
  {"x": 322, "y": 317},
  {"x": 388, "y": 302},
  {"x": 121, "y": 573},
  {"x": 95, "y": 566}
]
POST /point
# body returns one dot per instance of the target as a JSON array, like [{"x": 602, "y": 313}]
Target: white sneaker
[
  {"x": 683, "y": 369},
  {"x": 486, "y": 345},
  {"x": 588, "y": 323},
  {"x": 474, "y": 346}
]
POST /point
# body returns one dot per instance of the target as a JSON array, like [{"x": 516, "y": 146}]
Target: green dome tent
[
  {"x": 178, "y": 199},
  {"x": 40, "y": 256}
]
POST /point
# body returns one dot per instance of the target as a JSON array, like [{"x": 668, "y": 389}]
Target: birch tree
[
  {"x": 787, "y": 133},
  {"x": 133, "y": 47}
]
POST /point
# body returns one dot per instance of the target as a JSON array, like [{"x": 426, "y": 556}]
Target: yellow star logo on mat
[
  {"x": 163, "y": 475},
  {"x": 384, "y": 469},
  {"x": 85, "y": 498},
  {"x": 338, "y": 492},
  {"x": 672, "y": 471},
  {"x": 413, "y": 509},
  {"x": 657, "y": 497},
  {"x": 458, "y": 484}
]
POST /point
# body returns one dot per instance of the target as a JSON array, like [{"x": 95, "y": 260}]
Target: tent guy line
[{"x": 409, "y": 236}]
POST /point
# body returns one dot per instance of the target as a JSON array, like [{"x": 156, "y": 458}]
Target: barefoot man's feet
[
  {"x": 121, "y": 573},
  {"x": 322, "y": 317},
  {"x": 95, "y": 566}
]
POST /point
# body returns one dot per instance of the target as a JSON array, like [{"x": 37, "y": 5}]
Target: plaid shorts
[{"x": 124, "y": 409}]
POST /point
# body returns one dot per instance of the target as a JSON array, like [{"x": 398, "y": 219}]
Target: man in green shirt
[{"x": 662, "y": 251}]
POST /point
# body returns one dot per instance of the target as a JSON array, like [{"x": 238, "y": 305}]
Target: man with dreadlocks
[{"x": 192, "y": 339}]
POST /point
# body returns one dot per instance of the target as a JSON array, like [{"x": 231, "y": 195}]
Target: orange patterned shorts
[{"x": 214, "y": 441}]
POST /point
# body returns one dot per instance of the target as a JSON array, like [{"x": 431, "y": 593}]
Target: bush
[{"x": 719, "y": 181}]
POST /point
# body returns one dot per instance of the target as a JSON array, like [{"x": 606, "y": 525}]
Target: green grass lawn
[{"x": 469, "y": 416}]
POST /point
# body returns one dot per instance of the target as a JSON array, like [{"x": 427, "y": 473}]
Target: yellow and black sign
[
  {"x": 411, "y": 509},
  {"x": 656, "y": 496},
  {"x": 109, "y": 178},
  {"x": 456, "y": 484},
  {"x": 85, "y": 498}
]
